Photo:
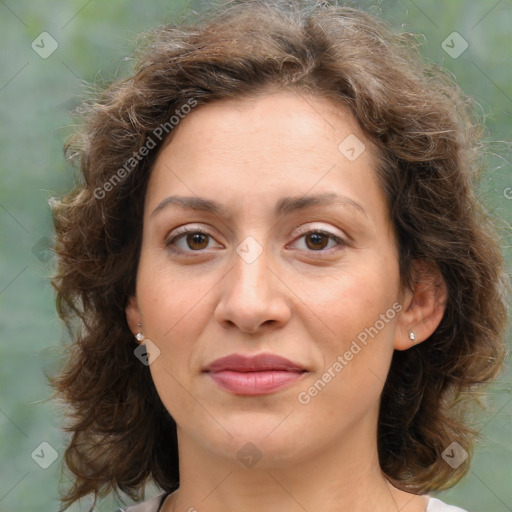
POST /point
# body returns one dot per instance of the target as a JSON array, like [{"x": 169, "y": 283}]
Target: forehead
[
  {"x": 292, "y": 115},
  {"x": 284, "y": 142}
]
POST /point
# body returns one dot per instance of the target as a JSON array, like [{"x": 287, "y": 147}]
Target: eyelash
[
  {"x": 170, "y": 243},
  {"x": 328, "y": 234}
]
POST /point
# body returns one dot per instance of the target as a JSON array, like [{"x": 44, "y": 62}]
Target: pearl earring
[{"x": 139, "y": 335}]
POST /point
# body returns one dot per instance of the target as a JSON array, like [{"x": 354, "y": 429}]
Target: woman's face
[{"x": 267, "y": 234}]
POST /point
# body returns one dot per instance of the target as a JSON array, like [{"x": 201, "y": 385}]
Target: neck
[{"x": 340, "y": 478}]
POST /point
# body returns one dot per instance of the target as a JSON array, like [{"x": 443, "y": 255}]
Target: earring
[
  {"x": 412, "y": 337},
  {"x": 139, "y": 335}
]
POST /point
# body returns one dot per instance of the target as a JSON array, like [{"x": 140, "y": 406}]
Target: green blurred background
[{"x": 36, "y": 95}]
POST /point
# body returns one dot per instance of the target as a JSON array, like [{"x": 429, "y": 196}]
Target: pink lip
[{"x": 254, "y": 375}]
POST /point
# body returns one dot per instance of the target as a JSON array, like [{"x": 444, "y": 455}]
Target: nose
[{"x": 253, "y": 296}]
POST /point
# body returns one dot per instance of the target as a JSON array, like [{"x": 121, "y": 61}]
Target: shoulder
[
  {"x": 435, "y": 505},
  {"x": 151, "y": 505}
]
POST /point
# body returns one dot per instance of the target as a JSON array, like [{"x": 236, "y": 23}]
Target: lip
[{"x": 254, "y": 375}]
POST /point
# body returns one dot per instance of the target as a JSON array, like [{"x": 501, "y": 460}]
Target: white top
[
  {"x": 154, "y": 504},
  {"x": 435, "y": 505}
]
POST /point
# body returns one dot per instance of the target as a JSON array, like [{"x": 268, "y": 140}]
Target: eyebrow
[{"x": 284, "y": 206}]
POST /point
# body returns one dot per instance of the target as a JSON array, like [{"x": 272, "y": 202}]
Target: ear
[
  {"x": 133, "y": 315},
  {"x": 423, "y": 306}
]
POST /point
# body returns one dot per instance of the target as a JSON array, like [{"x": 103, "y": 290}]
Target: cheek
[
  {"x": 360, "y": 309},
  {"x": 353, "y": 300},
  {"x": 356, "y": 358},
  {"x": 174, "y": 313},
  {"x": 172, "y": 302}
]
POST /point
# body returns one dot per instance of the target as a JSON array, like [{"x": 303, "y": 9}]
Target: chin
[{"x": 262, "y": 439}]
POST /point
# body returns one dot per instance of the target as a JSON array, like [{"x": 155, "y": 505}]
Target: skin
[{"x": 303, "y": 301}]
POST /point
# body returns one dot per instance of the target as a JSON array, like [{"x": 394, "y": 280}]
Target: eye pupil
[
  {"x": 316, "y": 241},
  {"x": 195, "y": 239}
]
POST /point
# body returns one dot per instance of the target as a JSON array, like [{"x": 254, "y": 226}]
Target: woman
[{"x": 284, "y": 282}]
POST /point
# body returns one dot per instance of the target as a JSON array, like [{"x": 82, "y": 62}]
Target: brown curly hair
[{"x": 428, "y": 141}]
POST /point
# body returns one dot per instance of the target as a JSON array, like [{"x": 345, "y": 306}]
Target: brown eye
[
  {"x": 320, "y": 241},
  {"x": 192, "y": 241},
  {"x": 197, "y": 241},
  {"x": 317, "y": 241}
]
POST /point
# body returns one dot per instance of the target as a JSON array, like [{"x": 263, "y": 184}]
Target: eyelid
[
  {"x": 341, "y": 239},
  {"x": 304, "y": 229},
  {"x": 186, "y": 228},
  {"x": 178, "y": 233}
]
